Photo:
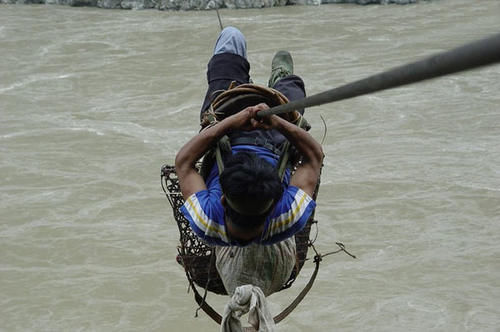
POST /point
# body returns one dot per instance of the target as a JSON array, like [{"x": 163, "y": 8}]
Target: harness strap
[
  {"x": 258, "y": 141},
  {"x": 223, "y": 146},
  {"x": 218, "y": 159}
]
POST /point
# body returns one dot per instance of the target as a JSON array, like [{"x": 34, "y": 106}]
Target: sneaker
[{"x": 282, "y": 65}]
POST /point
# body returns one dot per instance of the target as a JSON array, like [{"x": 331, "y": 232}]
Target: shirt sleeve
[
  {"x": 205, "y": 214},
  {"x": 289, "y": 216}
]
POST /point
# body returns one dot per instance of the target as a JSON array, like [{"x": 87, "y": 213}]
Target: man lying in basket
[{"x": 248, "y": 203}]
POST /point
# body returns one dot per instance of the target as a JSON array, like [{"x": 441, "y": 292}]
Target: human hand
[
  {"x": 265, "y": 122},
  {"x": 247, "y": 119}
]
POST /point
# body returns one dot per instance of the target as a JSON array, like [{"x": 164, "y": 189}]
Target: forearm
[
  {"x": 308, "y": 147},
  {"x": 197, "y": 146}
]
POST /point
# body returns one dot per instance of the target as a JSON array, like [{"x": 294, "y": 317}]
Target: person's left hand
[
  {"x": 267, "y": 122},
  {"x": 246, "y": 119}
]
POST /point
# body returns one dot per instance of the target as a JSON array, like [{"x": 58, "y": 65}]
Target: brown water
[{"x": 93, "y": 102}]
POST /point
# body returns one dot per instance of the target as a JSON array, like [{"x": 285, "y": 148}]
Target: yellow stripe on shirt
[
  {"x": 203, "y": 222},
  {"x": 292, "y": 216}
]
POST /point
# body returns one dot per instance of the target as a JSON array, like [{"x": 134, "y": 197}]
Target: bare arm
[
  {"x": 190, "y": 181},
  {"x": 307, "y": 174}
]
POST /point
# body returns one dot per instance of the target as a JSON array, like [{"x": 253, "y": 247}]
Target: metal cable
[{"x": 472, "y": 55}]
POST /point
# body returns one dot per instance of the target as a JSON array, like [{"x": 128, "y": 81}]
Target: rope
[
  {"x": 220, "y": 21},
  {"x": 473, "y": 55},
  {"x": 278, "y": 318},
  {"x": 205, "y": 292}
]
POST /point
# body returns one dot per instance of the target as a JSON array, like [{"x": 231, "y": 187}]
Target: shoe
[{"x": 281, "y": 66}]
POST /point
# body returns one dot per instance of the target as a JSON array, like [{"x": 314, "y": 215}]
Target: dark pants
[{"x": 226, "y": 68}]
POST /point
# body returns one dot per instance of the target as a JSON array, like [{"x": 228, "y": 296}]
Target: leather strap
[{"x": 258, "y": 141}]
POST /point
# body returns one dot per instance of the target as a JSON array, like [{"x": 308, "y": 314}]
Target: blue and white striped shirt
[{"x": 205, "y": 212}]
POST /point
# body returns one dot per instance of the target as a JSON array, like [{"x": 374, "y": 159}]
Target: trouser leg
[
  {"x": 292, "y": 87},
  {"x": 228, "y": 64}
]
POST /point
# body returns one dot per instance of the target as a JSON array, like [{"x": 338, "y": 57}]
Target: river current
[{"x": 93, "y": 102}]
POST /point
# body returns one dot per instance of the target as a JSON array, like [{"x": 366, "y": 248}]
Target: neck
[{"x": 243, "y": 235}]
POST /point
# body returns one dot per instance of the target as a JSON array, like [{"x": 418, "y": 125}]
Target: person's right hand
[
  {"x": 246, "y": 119},
  {"x": 267, "y": 122}
]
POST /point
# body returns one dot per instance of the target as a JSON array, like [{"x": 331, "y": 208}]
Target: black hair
[{"x": 247, "y": 177}]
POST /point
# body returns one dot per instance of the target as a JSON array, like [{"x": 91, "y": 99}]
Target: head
[{"x": 251, "y": 187}]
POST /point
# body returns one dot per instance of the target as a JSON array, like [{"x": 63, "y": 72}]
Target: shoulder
[
  {"x": 290, "y": 214},
  {"x": 205, "y": 214}
]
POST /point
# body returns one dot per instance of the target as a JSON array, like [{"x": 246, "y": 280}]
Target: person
[{"x": 248, "y": 205}]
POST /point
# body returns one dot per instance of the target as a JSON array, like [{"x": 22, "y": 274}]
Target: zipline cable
[
  {"x": 472, "y": 55},
  {"x": 220, "y": 20}
]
